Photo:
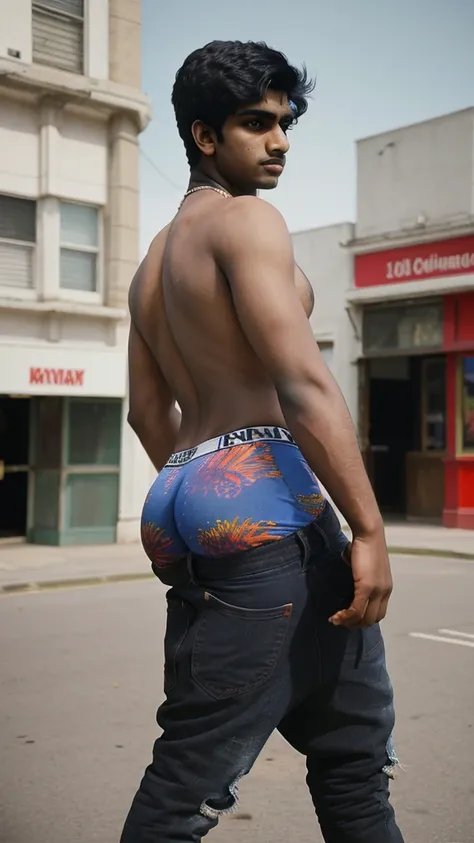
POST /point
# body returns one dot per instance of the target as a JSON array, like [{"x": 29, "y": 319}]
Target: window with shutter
[
  {"x": 58, "y": 34},
  {"x": 17, "y": 241},
  {"x": 79, "y": 247}
]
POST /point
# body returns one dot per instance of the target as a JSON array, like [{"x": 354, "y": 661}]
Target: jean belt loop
[{"x": 302, "y": 538}]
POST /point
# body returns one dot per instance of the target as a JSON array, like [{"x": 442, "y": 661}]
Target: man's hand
[{"x": 372, "y": 583}]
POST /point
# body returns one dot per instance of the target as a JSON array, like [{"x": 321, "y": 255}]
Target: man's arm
[
  {"x": 152, "y": 414},
  {"x": 254, "y": 250}
]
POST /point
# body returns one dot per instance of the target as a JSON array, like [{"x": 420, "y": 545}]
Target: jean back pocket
[{"x": 237, "y": 649}]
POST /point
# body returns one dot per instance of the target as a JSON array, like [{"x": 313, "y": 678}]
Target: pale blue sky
[{"x": 379, "y": 64}]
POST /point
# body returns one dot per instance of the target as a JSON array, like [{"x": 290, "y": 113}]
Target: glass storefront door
[{"x": 76, "y": 469}]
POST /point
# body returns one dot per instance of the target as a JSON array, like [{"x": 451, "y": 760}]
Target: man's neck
[{"x": 199, "y": 177}]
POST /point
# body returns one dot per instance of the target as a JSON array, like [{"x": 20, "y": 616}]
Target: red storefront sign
[
  {"x": 416, "y": 263},
  {"x": 57, "y": 377}
]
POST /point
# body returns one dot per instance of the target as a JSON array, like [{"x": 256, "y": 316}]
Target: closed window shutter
[
  {"x": 18, "y": 224},
  {"x": 74, "y": 8},
  {"x": 16, "y": 265},
  {"x": 58, "y": 34},
  {"x": 78, "y": 270}
]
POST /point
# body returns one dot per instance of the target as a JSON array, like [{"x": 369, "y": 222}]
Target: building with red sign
[
  {"x": 71, "y": 110},
  {"x": 403, "y": 345}
]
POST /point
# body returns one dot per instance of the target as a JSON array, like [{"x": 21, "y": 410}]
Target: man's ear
[{"x": 204, "y": 138}]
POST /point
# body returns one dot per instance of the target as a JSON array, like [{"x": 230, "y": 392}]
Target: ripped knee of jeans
[
  {"x": 243, "y": 753},
  {"x": 392, "y": 760},
  {"x": 214, "y": 807}
]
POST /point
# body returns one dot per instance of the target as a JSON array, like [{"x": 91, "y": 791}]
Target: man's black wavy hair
[{"x": 217, "y": 79}]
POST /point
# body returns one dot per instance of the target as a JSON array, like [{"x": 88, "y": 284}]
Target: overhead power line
[{"x": 161, "y": 173}]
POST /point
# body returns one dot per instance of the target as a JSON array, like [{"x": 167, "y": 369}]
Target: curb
[
  {"x": 84, "y": 582},
  {"x": 427, "y": 551},
  {"x": 72, "y": 582}
]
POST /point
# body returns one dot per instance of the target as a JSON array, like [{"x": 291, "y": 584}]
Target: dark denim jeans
[{"x": 248, "y": 649}]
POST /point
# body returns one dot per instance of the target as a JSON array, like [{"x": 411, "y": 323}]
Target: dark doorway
[
  {"x": 393, "y": 422},
  {"x": 14, "y": 463}
]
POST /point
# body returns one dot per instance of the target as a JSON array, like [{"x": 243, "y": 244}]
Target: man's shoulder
[
  {"x": 249, "y": 217},
  {"x": 159, "y": 239},
  {"x": 251, "y": 207}
]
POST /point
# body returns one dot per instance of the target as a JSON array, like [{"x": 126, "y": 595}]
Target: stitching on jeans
[
  {"x": 231, "y": 692},
  {"x": 170, "y": 687}
]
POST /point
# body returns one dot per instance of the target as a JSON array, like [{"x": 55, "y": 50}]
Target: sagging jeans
[{"x": 248, "y": 649}]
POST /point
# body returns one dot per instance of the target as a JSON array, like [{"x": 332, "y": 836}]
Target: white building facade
[
  {"x": 329, "y": 268},
  {"x": 71, "y": 111},
  {"x": 402, "y": 317}
]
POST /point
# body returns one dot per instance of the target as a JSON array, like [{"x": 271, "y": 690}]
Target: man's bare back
[
  {"x": 219, "y": 325},
  {"x": 181, "y": 304}
]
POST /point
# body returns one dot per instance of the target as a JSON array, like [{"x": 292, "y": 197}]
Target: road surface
[{"x": 81, "y": 677}]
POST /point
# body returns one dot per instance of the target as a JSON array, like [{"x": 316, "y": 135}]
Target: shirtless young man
[{"x": 272, "y": 616}]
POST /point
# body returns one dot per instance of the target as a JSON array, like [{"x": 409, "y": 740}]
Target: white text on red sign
[{"x": 407, "y": 267}]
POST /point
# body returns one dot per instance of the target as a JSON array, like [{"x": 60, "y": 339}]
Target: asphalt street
[{"x": 81, "y": 673}]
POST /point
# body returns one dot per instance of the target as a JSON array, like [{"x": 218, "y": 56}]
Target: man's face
[{"x": 252, "y": 153}]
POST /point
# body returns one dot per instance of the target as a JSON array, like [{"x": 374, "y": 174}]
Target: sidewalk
[
  {"x": 27, "y": 567},
  {"x": 430, "y": 540}
]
